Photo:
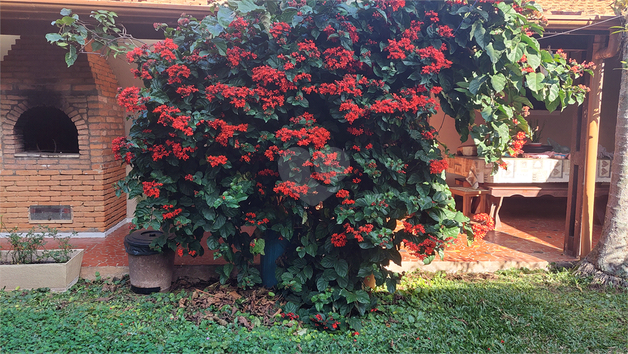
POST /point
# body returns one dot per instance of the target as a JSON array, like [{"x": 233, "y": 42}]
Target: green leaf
[
  {"x": 65, "y": 12},
  {"x": 391, "y": 285},
  {"x": 553, "y": 92},
  {"x": 70, "y": 56},
  {"x": 287, "y": 15},
  {"x": 246, "y": 6},
  {"x": 349, "y": 296},
  {"x": 479, "y": 34},
  {"x": 342, "y": 267},
  {"x": 498, "y": 82},
  {"x": 221, "y": 45},
  {"x": 534, "y": 59},
  {"x": 493, "y": 53},
  {"x": 258, "y": 247},
  {"x": 476, "y": 83},
  {"x": 308, "y": 271},
  {"x": 552, "y": 105},
  {"x": 322, "y": 284},
  {"x": 53, "y": 37},
  {"x": 225, "y": 16},
  {"x": 534, "y": 81},
  {"x": 362, "y": 297},
  {"x": 328, "y": 262}
]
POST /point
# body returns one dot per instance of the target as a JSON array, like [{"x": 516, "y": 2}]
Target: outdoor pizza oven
[{"x": 56, "y": 127}]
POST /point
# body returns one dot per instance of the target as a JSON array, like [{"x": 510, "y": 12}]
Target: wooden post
[{"x": 592, "y": 138}]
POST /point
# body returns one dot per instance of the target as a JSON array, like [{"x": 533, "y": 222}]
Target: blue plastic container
[{"x": 273, "y": 249}]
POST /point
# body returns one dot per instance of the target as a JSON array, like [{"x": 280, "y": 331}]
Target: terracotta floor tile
[{"x": 532, "y": 231}]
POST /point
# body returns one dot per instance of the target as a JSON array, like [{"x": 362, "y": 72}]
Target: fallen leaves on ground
[{"x": 224, "y": 304}]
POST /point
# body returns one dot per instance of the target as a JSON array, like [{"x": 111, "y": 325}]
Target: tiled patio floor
[{"x": 531, "y": 235}]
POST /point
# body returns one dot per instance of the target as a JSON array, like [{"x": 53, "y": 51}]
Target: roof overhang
[
  {"x": 570, "y": 22},
  {"x": 34, "y": 16}
]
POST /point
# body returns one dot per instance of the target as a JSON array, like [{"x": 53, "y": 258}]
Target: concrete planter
[{"x": 56, "y": 276}]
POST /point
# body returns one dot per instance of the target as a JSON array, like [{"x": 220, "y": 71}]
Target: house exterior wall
[{"x": 34, "y": 74}]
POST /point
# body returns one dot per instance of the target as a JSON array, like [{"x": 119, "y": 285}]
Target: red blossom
[
  {"x": 445, "y": 31},
  {"x": 279, "y": 29},
  {"x": 130, "y": 99},
  {"x": 291, "y": 189},
  {"x": 338, "y": 58},
  {"x": 165, "y": 48},
  {"x": 217, "y": 160},
  {"x": 353, "y": 111},
  {"x": 236, "y": 54},
  {"x": 343, "y": 193},
  {"x": 317, "y": 136},
  {"x": 226, "y": 130},
  {"x": 151, "y": 189},
  {"x": 177, "y": 72},
  {"x": 399, "y": 49},
  {"x": 438, "y": 166},
  {"x": 339, "y": 240},
  {"x": 185, "y": 91}
]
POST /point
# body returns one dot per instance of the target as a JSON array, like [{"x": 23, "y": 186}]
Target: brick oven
[{"x": 56, "y": 127}]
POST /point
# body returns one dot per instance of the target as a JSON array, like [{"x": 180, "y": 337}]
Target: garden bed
[{"x": 44, "y": 274}]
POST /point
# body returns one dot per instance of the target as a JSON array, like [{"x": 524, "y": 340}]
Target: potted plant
[
  {"x": 535, "y": 133},
  {"x": 28, "y": 265}
]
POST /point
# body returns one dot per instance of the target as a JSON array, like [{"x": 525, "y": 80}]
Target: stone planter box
[{"x": 56, "y": 276}]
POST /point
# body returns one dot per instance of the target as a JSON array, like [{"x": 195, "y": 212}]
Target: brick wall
[{"x": 34, "y": 74}]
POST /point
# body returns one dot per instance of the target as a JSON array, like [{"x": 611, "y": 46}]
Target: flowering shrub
[{"x": 310, "y": 118}]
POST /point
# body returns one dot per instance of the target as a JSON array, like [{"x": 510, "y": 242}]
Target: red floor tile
[{"x": 532, "y": 231}]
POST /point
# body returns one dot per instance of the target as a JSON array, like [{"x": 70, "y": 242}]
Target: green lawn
[{"x": 513, "y": 311}]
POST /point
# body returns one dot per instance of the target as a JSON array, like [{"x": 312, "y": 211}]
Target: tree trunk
[{"x": 608, "y": 261}]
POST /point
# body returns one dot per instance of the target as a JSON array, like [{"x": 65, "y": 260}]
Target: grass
[{"x": 512, "y": 311}]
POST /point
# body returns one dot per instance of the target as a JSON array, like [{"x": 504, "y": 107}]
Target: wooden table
[{"x": 497, "y": 192}]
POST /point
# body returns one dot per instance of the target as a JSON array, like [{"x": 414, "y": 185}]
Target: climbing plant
[{"x": 309, "y": 122}]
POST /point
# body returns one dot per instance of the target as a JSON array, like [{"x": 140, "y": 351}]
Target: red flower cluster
[
  {"x": 413, "y": 229},
  {"x": 291, "y": 189},
  {"x": 165, "y": 48},
  {"x": 339, "y": 240},
  {"x": 338, "y": 58},
  {"x": 217, "y": 160},
  {"x": 432, "y": 16},
  {"x": 251, "y": 219},
  {"x": 516, "y": 147},
  {"x": 177, "y": 72},
  {"x": 438, "y": 57},
  {"x": 290, "y": 316},
  {"x": 185, "y": 91},
  {"x": 117, "y": 144},
  {"x": 136, "y": 53},
  {"x": 438, "y": 166},
  {"x": 267, "y": 75},
  {"x": 171, "y": 214},
  {"x": 151, "y": 189},
  {"x": 167, "y": 117},
  {"x": 399, "y": 49},
  {"x": 330, "y": 323},
  {"x": 317, "y": 136},
  {"x": 236, "y": 54},
  {"x": 445, "y": 31},
  {"x": 483, "y": 224},
  {"x": 130, "y": 99},
  {"x": 423, "y": 249},
  {"x": 353, "y": 111},
  {"x": 226, "y": 130},
  {"x": 279, "y": 29},
  {"x": 343, "y": 193}
]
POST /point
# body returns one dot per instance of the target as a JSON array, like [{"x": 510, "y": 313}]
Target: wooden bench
[
  {"x": 468, "y": 194},
  {"x": 497, "y": 193}
]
